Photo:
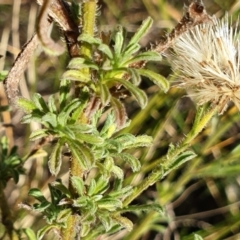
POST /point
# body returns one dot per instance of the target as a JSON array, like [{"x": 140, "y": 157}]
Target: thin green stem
[{"x": 163, "y": 164}]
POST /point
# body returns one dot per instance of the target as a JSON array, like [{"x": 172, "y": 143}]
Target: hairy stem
[
  {"x": 163, "y": 164},
  {"x": 88, "y": 24}
]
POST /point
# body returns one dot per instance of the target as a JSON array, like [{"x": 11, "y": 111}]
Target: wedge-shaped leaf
[
  {"x": 110, "y": 204},
  {"x": 118, "y": 42},
  {"x": 37, "y": 194},
  {"x": 180, "y": 159},
  {"x": 130, "y": 159},
  {"x": 106, "y": 50},
  {"x": 79, "y": 63},
  {"x": 119, "y": 112},
  {"x": 64, "y": 115},
  {"x": 75, "y": 75},
  {"x": 156, "y": 78},
  {"x": 140, "y": 95},
  {"x": 104, "y": 94},
  {"x": 123, "y": 221},
  {"x": 25, "y": 104},
  {"x": 39, "y": 102},
  {"x": 89, "y": 39},
  {"x": 40, "y": 133},
  {"x": 46, "y": 229},
  {"x": 147, "y": 23},
  {"x": 90, "y": 138},
  {"x": 51, "y": 104},
  {"x": 51, "y": 119},
  {"x": 106, "y": 221},
  {"x": 55, "y": 159},
  {"x": 145, "y": 56},
  {"x": 78, "y": 184},
  {"x": 82, "y": 153}
]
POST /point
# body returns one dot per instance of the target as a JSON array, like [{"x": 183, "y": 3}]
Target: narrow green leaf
[
  {"x": 119, "y": 112},
  {"x": 106, "y": 50},
  {"x": 158, "y": 79},
  {"x": 51, "y": 119},
  {"x": 75, "y": 75},
  {"x": 135, "y": 77},
  {"x": 39, "y": 102},
  {"x": 106, "y": 222},
  {"x": 124, "y": 222},
  {"x": 118, "y": 41},
  {"x": 25, "y": 104},
  {"x": 180, "y": 159},
  {"x": 46, "y": 229},
  {"x": 145, "y": 56},
  {"x": 146, "y": 24},
  {"x": 111, "y": 204},
  {"x": 128, "y": 52},
  {"x": 140, "y": 95},
  {"x": 29, "y": 233},
  {"x": 55, "y": 159},
  {"x": 99, "y": 186},
  {"x": 130, "y": 159},
  {"x": 90, "y": 138},
  {"x": 40, "y": 133},
  {"x": 79, "y": 63},
  {"x": 63, "y": 215},
  {"x": 89, "y": 39},
  {"x": 118, "y": 172},
  {"x": 36, "y": 193},
  {"x": 78, "y": 184},
  {"x": 51, "y": 104},
  {"x": 104, "y": 94},
  {"x": 59, "y": 186},
  {"x": 64, "y": 114},
  {"x": 82, "y": 153},
  {"x": 197, "y": 237}
]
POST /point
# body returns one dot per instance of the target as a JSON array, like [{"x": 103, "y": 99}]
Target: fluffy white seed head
[{"x": 207, "y": 58}]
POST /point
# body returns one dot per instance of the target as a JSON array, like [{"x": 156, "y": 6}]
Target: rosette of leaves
[{"x": 116, "y": 67}]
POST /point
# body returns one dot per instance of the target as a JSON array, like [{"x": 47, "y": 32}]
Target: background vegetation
[{"x": 203, "y": 196}]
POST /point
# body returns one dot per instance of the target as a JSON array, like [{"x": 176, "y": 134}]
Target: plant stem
[
  {"x": 88, "y": 23},
  {"x": 163, "y": 164}
]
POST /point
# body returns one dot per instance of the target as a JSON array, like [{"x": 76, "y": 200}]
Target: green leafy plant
[{"x": 112, "y": 157}]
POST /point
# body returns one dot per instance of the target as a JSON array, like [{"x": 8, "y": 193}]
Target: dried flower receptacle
[{"x": 207, "y": 58}]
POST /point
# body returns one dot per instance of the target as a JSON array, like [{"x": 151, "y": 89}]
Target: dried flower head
[{"x": 207, "y": 57}]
